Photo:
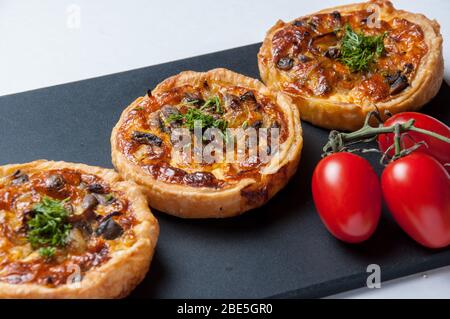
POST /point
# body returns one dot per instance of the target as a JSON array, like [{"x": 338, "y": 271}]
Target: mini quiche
[
  {"x": 340, "y": 63},
  {"x": 143, "y": 143},
  {"x": 72, "y": 231}
]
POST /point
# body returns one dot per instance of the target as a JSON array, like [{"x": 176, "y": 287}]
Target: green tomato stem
[
  {"x": 397, "y": 138},
  {"x": 339, "y": 141},
  {"x": 430, "y": 133}
]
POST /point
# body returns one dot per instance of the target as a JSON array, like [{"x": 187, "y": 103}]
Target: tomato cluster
[{"x": 415, "y": 187}]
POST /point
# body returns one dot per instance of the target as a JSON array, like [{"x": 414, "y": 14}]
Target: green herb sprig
[
  {"x": 360, "y": 51},
  {"x": 213, "y": 102},
  {"x": 194, "y": 116},
  {"x": 191, "y": 102},
  {"x": 47, "y": 252},
  {"x": 48, "y": 228}
]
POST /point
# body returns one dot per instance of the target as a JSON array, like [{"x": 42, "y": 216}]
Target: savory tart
[
  {"x": 342, "y": 62},
  {"x": 143, "y": 144},
  {"x": 72, "y": 231}
]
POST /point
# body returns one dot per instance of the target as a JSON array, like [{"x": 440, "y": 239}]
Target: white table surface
[{"x": 50, "y": 42}]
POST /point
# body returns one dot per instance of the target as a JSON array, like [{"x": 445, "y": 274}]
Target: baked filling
[
  {"x": 146, "y": 136},
  {"x": 347, "y": 57},
  {"x": 56, "y": 225}
]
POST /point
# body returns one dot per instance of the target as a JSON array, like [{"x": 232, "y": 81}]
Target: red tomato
[
  {"x": 347, "y": 195},
  {"x": 434, "y": 147},
  {"x": 416, "y": 189}
]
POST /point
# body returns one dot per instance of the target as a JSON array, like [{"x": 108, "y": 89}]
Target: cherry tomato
[
  {"x": 347, "y": 195},
  {"x": 434, "y": 147},
  {"x": 416, "y": 189}
]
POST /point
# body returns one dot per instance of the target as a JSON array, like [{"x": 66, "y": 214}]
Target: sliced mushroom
[
  {"x": 391, "y": 78},
  {"x": 336, "y": 15},
  {"x": 24, "y": 218},
  {"x": 110, "y": 215},
  {"x": 285, "y": 63},
  {"x": 193, "y": 99},
  {"x": 19, "y": 178},
  {"x": 168, "y": 110},
  {"x": 232, "y": 101},
  {"x": 299, "y": 23},
  {"x": 399, "y": 85},
  {"x": 154, "y": 121},
  {"x": 84, "y": 226},
  {"x": 54, "y": 182},
  {"x": 248, "y": 96},
  {"x": 333, "y": 53},
  {"x": 165, "y": 113},
  {"x": 89, "y": 202},
  {"x": 96, "y": 188},
  {"x": 109, "y": 229},
  {"x": 408, "y": 68},
  {"x": 146, "y": 138},
  {"x": 104, "y": 199},
  {"x": 85, "y": 211}
]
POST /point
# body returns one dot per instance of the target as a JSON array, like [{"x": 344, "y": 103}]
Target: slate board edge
[{"x": 357, "y": 281}]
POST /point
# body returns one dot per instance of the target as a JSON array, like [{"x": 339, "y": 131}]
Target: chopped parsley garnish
[
  {"x": 359, "y": 51},
  {"x": 194, "y": 116},
  {"x": 48, "y": 228},
  {"x": 47, "y": 252},
  {"x": 191, "y": 102},
  {"x": 214, "y": 103}
]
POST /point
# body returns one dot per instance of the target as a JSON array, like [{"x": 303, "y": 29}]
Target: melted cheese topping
[
  {"x": 238, "y": 107},
  {"x": 306, "y": 57},
  {"x": 90, "y": 203}
]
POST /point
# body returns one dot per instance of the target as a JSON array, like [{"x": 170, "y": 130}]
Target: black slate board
[{"x": 279, "y": 250}]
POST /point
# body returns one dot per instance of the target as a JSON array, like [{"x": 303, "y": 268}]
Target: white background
[{"x": 42, "y": 44}]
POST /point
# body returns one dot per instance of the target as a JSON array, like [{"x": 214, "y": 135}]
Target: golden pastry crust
[
  {"x": 224, "y": 198},
  {"x": 342, "y": 112},
  {"x": 123, "y": 269}
]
